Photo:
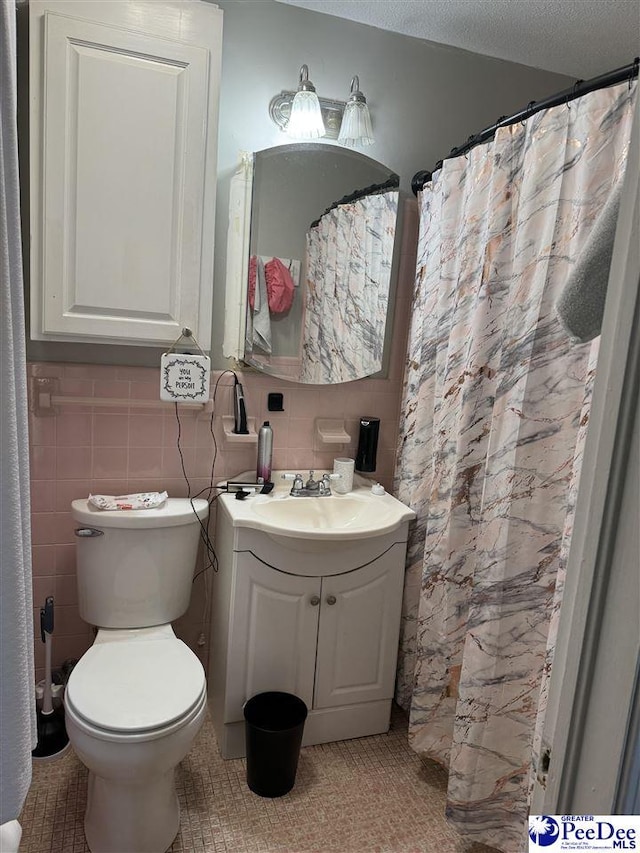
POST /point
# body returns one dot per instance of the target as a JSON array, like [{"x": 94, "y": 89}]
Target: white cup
[{"x": 344, "y": 483}]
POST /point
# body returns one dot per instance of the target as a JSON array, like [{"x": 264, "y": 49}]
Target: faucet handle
[
  {"x": 298, "y": 483},
  {"x": 336, "y": 476}
]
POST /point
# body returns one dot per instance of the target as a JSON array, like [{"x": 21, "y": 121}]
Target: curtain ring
[
  {"x": 528, "y": 113},
  {"x": 573, "y": 94}
]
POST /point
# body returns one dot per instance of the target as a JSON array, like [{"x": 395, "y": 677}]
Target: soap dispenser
[{"x": 367, "y": 444}]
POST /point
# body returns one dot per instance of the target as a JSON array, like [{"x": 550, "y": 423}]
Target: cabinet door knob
[
  {"x": 314, "y": 601},
  {"x": 331, "y": 599}
]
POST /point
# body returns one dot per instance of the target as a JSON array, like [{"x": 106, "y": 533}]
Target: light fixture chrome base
[{"x": 332, "y": 111}]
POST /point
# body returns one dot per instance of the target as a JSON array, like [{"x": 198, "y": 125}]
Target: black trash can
[{"x": 274, "y": 723}]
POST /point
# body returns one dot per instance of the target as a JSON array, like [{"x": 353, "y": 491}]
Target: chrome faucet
[{"x": 312, "y": 488}]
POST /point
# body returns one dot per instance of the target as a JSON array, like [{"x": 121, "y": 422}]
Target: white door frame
[{"x": 591, "y": 727}]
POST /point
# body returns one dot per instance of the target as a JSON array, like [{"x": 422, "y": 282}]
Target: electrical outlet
[{"x": 275, "y": 401}]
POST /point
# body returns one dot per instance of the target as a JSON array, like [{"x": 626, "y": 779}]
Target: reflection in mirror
[{"x": 323, "y": 228}]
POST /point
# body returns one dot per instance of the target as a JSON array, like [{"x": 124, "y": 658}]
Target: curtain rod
[
  {"x": 392, "y": 182},
  {"x": 580, "y": 87}
]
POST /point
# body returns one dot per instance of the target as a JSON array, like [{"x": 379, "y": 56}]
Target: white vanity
[{"x": 307, "y": 600}]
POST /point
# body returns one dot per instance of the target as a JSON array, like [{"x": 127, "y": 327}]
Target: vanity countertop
[{"x": 359, "y": 514}]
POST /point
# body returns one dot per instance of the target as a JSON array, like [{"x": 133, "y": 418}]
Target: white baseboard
[{"x": 321, "y": 726}]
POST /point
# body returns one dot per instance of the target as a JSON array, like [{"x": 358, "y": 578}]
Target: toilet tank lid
[{"x": 173, "y": 513}]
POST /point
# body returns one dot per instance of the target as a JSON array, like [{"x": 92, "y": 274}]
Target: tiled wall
[{"x": 86, "y": 448}]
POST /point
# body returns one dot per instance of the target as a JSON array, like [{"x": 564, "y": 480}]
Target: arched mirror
[{"x": 319, "y": 283}]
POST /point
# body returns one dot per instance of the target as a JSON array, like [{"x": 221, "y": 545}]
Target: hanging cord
[
  {"x": 186, "y": 334},
  {"x": 211, "y": 558},
  {"x": 207, "y": 491},
  {"x": 210, "y": 498}
]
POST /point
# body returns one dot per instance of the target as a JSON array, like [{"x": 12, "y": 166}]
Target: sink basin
[
  {"x": 330, "y": 513},
  {"x": 359, "y": 514}
]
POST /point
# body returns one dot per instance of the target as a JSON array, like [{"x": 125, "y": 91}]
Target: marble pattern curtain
[
  {"x": 349, "y": 257},
  {"x": 496, "y": 402}
]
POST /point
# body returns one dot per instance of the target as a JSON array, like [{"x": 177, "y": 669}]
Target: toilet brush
[{"x": 52, "y": 734}]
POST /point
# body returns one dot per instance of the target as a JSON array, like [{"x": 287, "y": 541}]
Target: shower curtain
[
  {"x": 17, "y": 700},
  {"x": 496, "y": 403},
  {"x": 348, "y": 258}
]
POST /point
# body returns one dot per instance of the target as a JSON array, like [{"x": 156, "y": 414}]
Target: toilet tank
[{"x": 135, "y": 567}]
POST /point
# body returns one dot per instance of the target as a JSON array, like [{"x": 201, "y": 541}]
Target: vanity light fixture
[
  {"x": 356, "y": 121},
  {"x": 305, "y": 121},
  {"x": 293, "y": 111}
]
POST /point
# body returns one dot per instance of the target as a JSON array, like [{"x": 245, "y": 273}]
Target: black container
[
  {"x": 367, "y": 444},
  {"x": 274, "y": 723}
]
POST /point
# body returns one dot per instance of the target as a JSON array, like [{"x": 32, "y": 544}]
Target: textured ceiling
[{"x": 580, "y": 38}]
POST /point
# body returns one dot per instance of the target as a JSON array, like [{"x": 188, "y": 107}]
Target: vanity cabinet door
[
  {"x": 358, "y": 633},
  {"x": 273, "y": 634},
  {"x": 123, "y": 163}
]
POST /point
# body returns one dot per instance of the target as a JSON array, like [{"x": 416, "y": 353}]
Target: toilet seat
[
  {"x": 143, "y": 737},
  {"x": 135, "y": 688}
]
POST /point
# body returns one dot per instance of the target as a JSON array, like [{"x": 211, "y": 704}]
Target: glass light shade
[
  {"x": 305, "y": 121},
  {"x": 356, "y": 125}
]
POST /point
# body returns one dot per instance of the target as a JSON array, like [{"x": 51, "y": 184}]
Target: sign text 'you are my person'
[{"x": 184, "y": 378}]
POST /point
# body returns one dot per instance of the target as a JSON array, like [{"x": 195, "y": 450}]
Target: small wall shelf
[
  {"x": 231, "y": 437},
  {"x": 332, "y": 431}
]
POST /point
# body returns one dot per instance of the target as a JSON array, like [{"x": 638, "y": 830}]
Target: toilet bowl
[
  {"x": 137, "y": 698},
  {"x": 134, "y": 703}
]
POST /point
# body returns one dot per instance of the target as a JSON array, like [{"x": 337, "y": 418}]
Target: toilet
[{"x": 137, "y": 698}]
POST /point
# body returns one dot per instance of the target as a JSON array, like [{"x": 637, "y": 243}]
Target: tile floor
[{"x": 370, "y": 795}]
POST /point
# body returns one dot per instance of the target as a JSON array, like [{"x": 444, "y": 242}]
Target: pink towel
[
  {"x": 280, "y": 287},
  {"x": 253, "y": 264}
]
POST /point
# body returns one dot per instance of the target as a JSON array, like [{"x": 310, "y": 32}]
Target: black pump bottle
[{"x": 367, "y": 444}]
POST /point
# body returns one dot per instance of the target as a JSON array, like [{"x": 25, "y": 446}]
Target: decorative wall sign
[{"x": 184, "y": 378}]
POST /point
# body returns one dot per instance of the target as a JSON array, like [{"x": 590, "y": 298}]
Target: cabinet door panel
[
  {"x": 273, "y": 634},
  {"x": 358, "y": 634},
  {"x": 125, "y": 146}
]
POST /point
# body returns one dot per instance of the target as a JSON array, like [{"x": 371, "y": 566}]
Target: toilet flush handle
[{"x": 86, "y": 532}]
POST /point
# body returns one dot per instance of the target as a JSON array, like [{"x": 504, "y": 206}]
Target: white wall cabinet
[
  {"x": 323, "y": 626},
  {"x": 123, "y": 124}
]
